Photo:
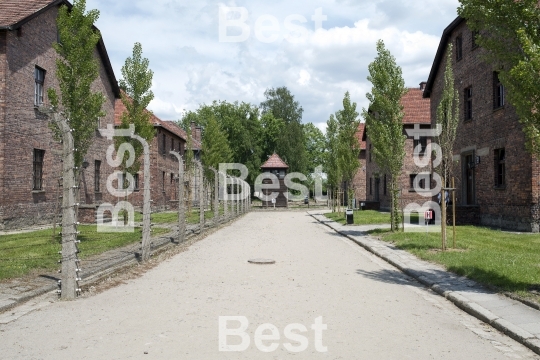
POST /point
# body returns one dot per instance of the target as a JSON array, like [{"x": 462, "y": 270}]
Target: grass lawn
[
  {"x": 362, "y": 217},
  {"x": 171, "y": 217},
  {"x": 22, "y": 253},
  {"x": 511, "y": 262}
]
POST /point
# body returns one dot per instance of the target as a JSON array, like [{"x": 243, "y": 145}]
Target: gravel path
[{"x": 371, "y": 310}]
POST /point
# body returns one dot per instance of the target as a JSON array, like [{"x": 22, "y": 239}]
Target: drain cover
[{"x": 262, "y": 261}]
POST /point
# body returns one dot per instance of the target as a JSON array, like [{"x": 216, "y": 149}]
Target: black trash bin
[{"x": 350, "y": 216}]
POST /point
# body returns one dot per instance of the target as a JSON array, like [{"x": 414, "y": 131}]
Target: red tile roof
[
  {"x": 274, "y": 162},
  {"x": 360, "y": 134},
  {"x": 415, "y": 107},
  {"x": 14, "y": 11},
  {"x": 170, "y": 126}
]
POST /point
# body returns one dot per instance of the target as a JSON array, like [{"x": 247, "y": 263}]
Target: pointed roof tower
[{"x": 274, "y": 162}]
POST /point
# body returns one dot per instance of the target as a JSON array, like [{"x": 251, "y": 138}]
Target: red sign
[{"x": 428, "y": 215}]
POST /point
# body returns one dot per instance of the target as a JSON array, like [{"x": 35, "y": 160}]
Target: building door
[
  {"x": 377, "y": 186},
  {"x": 468, "y": 179}
]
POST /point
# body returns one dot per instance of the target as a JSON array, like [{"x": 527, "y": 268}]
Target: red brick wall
[
  {"x": 359, "y": 182},
  {"x": 409, "y": 167},
  {"x": 515, "y": 206},
  {"x": 163, "y": 197},
  {"x": 25, "y": 129}
]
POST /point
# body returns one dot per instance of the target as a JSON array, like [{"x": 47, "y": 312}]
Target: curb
[
  {"x": 470, "y": 307},
  {"x": 110, "y": 268}
]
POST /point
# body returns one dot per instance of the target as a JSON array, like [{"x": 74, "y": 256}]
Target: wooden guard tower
[{"x": 276, "y": 166}]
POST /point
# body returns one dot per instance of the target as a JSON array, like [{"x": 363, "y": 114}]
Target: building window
[
  {"x": 411, "y": 181},
  {"x": 384, "y": 185},
  {"x": 163, "y": 143},
  {"x": 121, "y": 179},
  {"x": 39, "y": 76},
  {"x": 498, "y": 91},
  {"x": 421, "y": 182},
  {"x": 474, "y": 35},
  {"x": 468, "y": 103},
  {"x": 38, "y": 169},
  {"x": 172, "y": 178},
  {"x": 369, "y": 152},
  {"x": 136, "y": 180},
  {"x": 163, "y": 181},
  {"x": 459, "y": 48},
  {"x": 370, "y": 186},
  {"x": 423, "y": 144},
  {"x": 500, "y": 170},
  {"x": 97, "y": 176}
]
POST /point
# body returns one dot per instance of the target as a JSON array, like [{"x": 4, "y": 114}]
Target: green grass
[
  {"x": 362, "y": 217},
  {"x": 22, "y": 253},
  {"x": 171, "y": 217},
  {"x": 508, "y": 261}
]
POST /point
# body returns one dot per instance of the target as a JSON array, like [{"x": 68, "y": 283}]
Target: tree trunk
[{"x": 443, "y": 216}]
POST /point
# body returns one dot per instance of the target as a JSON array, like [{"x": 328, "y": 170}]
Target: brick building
[
  {"x": 416, "y": 110},
  {"x": 30, "y": 159},
  {"x": 497, "y": 180},
  {"x": 359, "y": 181},
  {"x": 163, "y": 166}
]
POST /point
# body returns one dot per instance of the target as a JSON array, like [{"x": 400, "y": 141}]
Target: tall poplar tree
[
  {"x": 76, "y": 69},
  {"x": 348, "y": 145},
  {"x": 331, "y": 165},
  {"x": 448, "y": 119},
  {"x": 136, "y": 95},
  {"x": 384, "y": 121}
]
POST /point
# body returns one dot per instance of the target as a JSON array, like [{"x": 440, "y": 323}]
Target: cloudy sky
[{"x": 208, "y": 50}]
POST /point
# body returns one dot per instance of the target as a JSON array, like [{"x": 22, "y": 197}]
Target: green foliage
[
  {"x": 290, "y": 145},
  {"x": 215, "y": 146},
  {"x": 384, "y": 120},
  {"x": 315, "y": 146},
  {"x": 448, "y": 117},
  {"x": 136, "y": 95},
  {"x": 510, "y": 35},
  {"x": 77, "y": 68},
  {"x": 280, "y": 102},
  {"x": 240, "y": 122},
  {"x": 348, "y": 145},
  {"x": 272, "y": 128},
  {"x": 332, "y": 147}
]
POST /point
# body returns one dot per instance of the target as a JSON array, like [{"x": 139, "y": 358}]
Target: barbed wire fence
[{"x": 217, "y": 198}]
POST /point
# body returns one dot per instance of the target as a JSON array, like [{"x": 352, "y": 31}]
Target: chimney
[
  {"x": 423, "y": 85},
  {"x": 195, "y": 131},
  {"x": 197, "y": 135}
]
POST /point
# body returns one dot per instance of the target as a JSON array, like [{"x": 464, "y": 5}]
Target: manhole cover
[{"x": 262, "y": 261}]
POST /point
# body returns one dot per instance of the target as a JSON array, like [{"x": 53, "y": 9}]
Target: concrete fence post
[{"x": 181, "y": 209}]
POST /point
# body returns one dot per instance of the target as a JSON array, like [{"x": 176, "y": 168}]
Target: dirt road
[{"x": 370, "y": 310}]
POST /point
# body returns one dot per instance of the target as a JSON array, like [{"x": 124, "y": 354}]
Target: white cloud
[{"x": 191, "y": 66}]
